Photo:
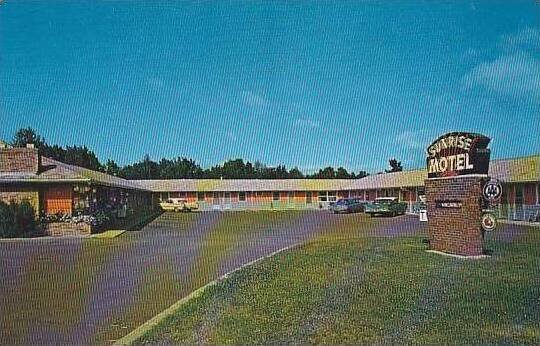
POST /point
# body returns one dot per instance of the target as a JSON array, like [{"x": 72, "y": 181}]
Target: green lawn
[{"x": 348, "y": 288}]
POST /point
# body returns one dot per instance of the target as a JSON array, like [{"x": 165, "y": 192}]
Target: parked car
[
  {"x": 178, "y": 204},
  {"x": 386, "y": 206},
  {"x": 348, "y": 205}
]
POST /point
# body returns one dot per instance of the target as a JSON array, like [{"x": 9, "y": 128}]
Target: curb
[
  {"x": 141, "y": 330},
  {"x": 44, "y": 238},
  {"x": 108, "y": 234},
  {"x": 458, "y": 256},
  {"x": 519, "y": 223}
]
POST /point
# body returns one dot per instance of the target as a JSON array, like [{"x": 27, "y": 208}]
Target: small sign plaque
[
  {"x": 449, "y": 204},
  {"x": 489, "y": 222},
  {"x": 492, "y": 191}
]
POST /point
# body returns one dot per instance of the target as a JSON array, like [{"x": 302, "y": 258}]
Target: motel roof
[
  {"x": 522, "y": 169},
  {"x": 231, "y": 185},
  {"x": 52, "y": 171}
]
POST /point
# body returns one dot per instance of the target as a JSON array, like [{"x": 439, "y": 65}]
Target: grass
[
  {"x": 160, "y": 287},
  {"x": 108, "y": 234},
  {"x": 349, "y": 288},
  {"x": 343, "y": 287}
]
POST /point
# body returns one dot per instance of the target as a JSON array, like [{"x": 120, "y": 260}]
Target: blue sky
[{"x": 298, "y": 83}]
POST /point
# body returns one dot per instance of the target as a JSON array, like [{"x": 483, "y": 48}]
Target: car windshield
[{"x": 343, "y": 201}]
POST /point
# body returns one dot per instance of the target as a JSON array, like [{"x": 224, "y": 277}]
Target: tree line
[{"x": 180, "y": 167}]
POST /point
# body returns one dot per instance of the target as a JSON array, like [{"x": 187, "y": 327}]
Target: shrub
[{"x": 17, "y": 220}]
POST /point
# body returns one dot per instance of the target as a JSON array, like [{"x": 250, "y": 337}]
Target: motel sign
[
  {"x": 458, "y": 153},
  {"x": 457, "y": 166}
]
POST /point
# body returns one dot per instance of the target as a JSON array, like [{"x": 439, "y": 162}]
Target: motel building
[
  {"x": 520, "y": 178},
  {"x": 55, "y": 188},
  {"x": 52, "y": 187}
]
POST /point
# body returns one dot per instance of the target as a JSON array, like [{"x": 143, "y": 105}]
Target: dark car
[
  {"x": 386, "y": 206},
  {"x": 348, "y": 205}
]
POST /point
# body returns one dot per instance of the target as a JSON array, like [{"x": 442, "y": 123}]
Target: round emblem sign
[
  {"x": 488, "y": 222},
  {"x": 492, "y": 191}
]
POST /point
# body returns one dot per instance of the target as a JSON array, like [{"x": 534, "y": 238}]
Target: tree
[
  {"x": 28, "y": 136},
  {"x": 144, "y": 169},
  {"x": 112, "y": 168},
  {"x": 325, "y": 173},
  {"x": 395, "y": 166},
  {"x": 341, "y": 173},
  {"x": 295, "y": 173},
  {"x": 79, "y": 156},
  {"x": 234, "y": 169},
  {"x": 83, "y": 157},
  {"x": 179, "y": 168},
  {"x": 361, "y": 174}
]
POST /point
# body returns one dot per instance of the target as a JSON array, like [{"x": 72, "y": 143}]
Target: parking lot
[{"x": 83, "y": 290}]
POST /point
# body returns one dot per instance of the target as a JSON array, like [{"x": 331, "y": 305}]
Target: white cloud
[
  {"x": 525, "y": 39},
  {"x": 515, "y": 75},
  {"x": 253, "y": 100},
  {"x": 307, "y": 123},
  {"x": 472, "y": 54},
  {"x": 413, "y": 139}
]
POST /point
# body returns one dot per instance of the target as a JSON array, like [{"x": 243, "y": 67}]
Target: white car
[{"x": 178, "y": 204}]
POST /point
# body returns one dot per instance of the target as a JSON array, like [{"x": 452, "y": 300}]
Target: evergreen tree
[{"x": 395, "y": 166}]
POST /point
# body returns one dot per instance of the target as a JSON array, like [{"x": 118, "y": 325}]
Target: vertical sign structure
[{"x": 457, "y": 164}]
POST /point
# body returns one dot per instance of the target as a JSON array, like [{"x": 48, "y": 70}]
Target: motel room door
[
  {"x": 227, "y": 200},
  {"x": 518, "y": 211},
  {"x": 216, "y": 201},
  {"x": 58, "y": 200}
]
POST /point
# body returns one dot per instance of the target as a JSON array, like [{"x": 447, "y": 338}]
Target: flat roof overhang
[{"x": 68, "y": 181}]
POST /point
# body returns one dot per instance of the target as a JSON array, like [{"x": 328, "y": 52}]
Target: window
[
  {"x": 242, "y": 196},
  {"x": 183, "y": 194},
  {"x": 537, "y": 193},
  {"x": 200, "y": 196},
  {"x": 327, "y": 196},
  {"x": 291, "y": 197},
  {"x": 216, "y": 198},
  {"x": 275, "y": 196},
  {"x": 309, "y": 197},
  {"x": 332, "y": 197}
]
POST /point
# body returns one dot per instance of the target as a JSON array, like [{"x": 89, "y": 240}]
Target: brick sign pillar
[{"x": 457, "y": 170}]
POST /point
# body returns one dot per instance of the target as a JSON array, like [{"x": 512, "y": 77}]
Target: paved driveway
[{"x": 79, "y": 291}]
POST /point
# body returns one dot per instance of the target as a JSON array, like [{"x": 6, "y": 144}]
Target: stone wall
[
  {"x": 66, "y": 228},
  {"x": 22, "y": 160},
  {"x": 19, "y": 194},
  {"x": 455, "y": 230}
]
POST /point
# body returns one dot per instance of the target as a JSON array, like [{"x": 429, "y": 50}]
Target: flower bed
[
  {"x": 65, "y": 228},
  {"x": 81, "y": 224}
]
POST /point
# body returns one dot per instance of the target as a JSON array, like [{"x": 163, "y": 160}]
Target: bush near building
[{"x": 17, "y": 220}]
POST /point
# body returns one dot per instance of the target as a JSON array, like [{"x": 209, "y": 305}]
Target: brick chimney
[{"x": 19, "y": 160}]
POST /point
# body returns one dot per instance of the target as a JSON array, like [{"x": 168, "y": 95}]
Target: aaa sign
[{"x": 458, "y": 153}]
